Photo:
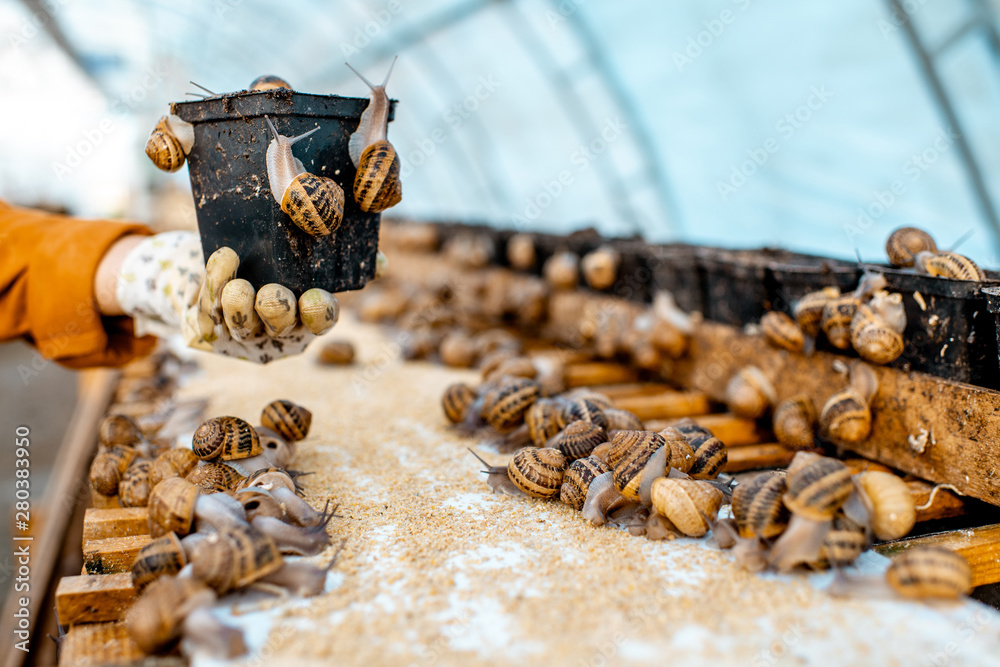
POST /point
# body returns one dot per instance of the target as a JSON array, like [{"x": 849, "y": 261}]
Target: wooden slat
[
  {"x": 666, "y": 405},
  {"x": 114, "y": 554},
  {"x": 98, "y": 644},
  {"x": 99, "y": 524},
  {"x": 631, "y": 389},
  {"x": 978, "y": 545},
  {"x": 94, "y": 598},
  {"x": 732, "y": 430},
  {"x": 100, "y": 502},
  {"x": 758, "y": 457},
  {"x": 946, "y": 504},
  {"x": 598, "y": 372}
]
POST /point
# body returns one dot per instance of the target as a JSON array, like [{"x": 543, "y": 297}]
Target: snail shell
[
  {"x": 601, "y": 451},
  {"x": 133, "y": 490},
  {"x": 817, "y": 486},
  {"x": 229, "y": 438},
  {"x": 171, "y": 507},
  {"x": 457, "y": 350},
  {"x": 584, "y": 409},
  {"x": 494, "y": 341},
  {"x": 630, "y": 465},
  {"x": 795, "y": 422},
  {"x": 538, "y": 472},
  {"x": 269, "y": 82},
  {"x": 758, "y": 507},
  {"x": 119, "y": 430},
  {"x": 873, "y": 339},
  {"x": 688, "y": 504},
  {"x": 170, "y": 142},
  {"x": 624, "y": 442},
  {"x": 948, "y": 265},
  {"x": 576, "y": 481},
  {"x": 749, "y": 393},
  {"x": 336, "y": 353},
  {"x": 492, "y": 359},
  {"x": 782, "y": 331},
  {"x": 108, "y": 467},
  {"x": 893, "y": 512},
  {"x": 289, "y": 420},
  {"x": 710, "y": 456},
  {"x": 903, "y": 245},
  {"x": 600, "y": 267},
  {"x": 456, "y": 401},
  {"x": 837, "y": 317},
  {"x": 843, "y": 543},
  {"x": 314, "y": 203},
  {"x": 213, "y": 477},
  {"x": 846, "y": 417},
  {"x": 578, "y": 439},
  {"x": 544, "y": 420},
  {"x": 682, "y": 454},
  {"x": 235, "y": 557},
  {"x": 154, "y": 620},
  {"x": 521, "y": 251},
  {"x": 521, "y": 367},
  {"x": 505, "y": 411},
  {"x": 163, "y": 556},
  {"x": 598, "y": 399},
  {"x": 374, "y": 120},
  {"x": 376, "y": 185},
  {"x": 808, "y": 311},
  {"x": 562, "y": 270},
  {"x": 621, "y": 420},
  {"x": 930, "y": 572},
  {"x": 175, "y": 462}
]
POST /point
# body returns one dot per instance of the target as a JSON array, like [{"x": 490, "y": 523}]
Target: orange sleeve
[{"x": 47, "y": 268}]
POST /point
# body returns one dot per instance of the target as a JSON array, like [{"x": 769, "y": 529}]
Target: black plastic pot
[
  {"x": 234, "y": 203},
  {"x": 675, "y": 269},
  {"x": 737, "y": 290},
  {"x": 801, "y": 274}
]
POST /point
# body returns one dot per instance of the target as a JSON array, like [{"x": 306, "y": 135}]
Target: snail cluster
[{"x": 913, "y": 247}]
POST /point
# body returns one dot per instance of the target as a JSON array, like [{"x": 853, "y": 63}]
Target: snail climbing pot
[{"x": 234, "y": 203}]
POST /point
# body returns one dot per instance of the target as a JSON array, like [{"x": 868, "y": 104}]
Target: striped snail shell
[
  {"x": 544, "y": 420},
  {"x": 376, "y": 185},
  {"x": 576, "y": 481},
  {"x": 584, "y": 409},
  {"x": 505, "y": 411},
  {"x": 170, "y": 142},
  {"x": 621, "y": 420},
  {"x": 836, "y": 322},
  {"x": 456, "y": 401},
  {"x": 214, "y": 477},
  {"x": 893, "y": 512},
  {"x": 229, "y": 438},
  {"x": 154, "y": 620},
  {"x": 624, "y": 442},
  {"x": 119, "y": 430},
  {"x": 808, "y": 310},
  {"x": 601, "y": 451},
  {"x": 688, "y": 504},
  {"x": 903, "y": 245},
  {"x": 628, "y": 471},
  {"x": 817, "y": 486},
  {"x": 538, "y": 472},
  {"x": 846, "y": 417},
  {"x": 234, "y": 557},
  {"x": 515, "y": 366},
  {"x": 749, "y": 393},
  {"x": 598, "y": 399},
  {"x": 491, "y": 359},
  {"x": 710, "y": 456},
  {"x": 948, "y": 265},
  {"x": 163, "y": 556},
  {"x": 562, "y": 270},
  {"x": 873, "y": 338},
  {"x": 682, "y": 454},
  {"x": 133, "y": 490},
  {"x": 171, "y": 507},
  {"x": 795, "y": 422},
  {"x": 758, "y": 507},
  {"x": 578, "y": 439},
  {"x": 782, "y": 331},
  {"x": 289, "y": 420},
  {"x": 600, "y": 267},
  {"x": 108, "y": 467},
  {"x": 689, "y": 428},
  {"x": 930, "y": 572},
  {"x": 269, "y": 82},
  {"x": 844, "y": 542},
  {"x": 521, "y": 252},
  {"x": 175, "y": 462}
]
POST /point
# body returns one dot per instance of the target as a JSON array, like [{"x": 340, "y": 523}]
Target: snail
[
  {"x": 269, "y": 82},
  {"x": 289, "y": 420},
  {"x": 782, "y": 331},
  {"x": 314, "y": 203},
  {"x": 133, "y": 489},
  {"x": 682, "y": 454},
  {"x": 544, "y": 420},
  {"x": 905, "y": 243},
  {"x": 562, "y": 271},
  {"x": 578, "y": 439},
  {"x": 599, "y": 400},
  {"x": 504, "y": 409},
  {"x": 688, "y": 504},
  {"x": 621, "y": 420},
  {"x": 893, "y": 514},
  {"x": 108, "y": 467},
  {"x": 456, "y": 401},
  {"x": 584, "y": 409},
  {"x": 600, "y": 267},
  {"x": 808, "y": 310},
  {"x": 175, "y": 505},
  {"x": 637, "y": 457},
  {"x": 948, "y": 265},
  {"x": 233, "y": 558},
  {"x": 534, "y": 472},
  {"x": 174, "y": 462},
  {"x": 521, "y": 252},
  {"x": 277, "y": 451},
  {"x": 749, "y": 393},
  {"x": 473, "y": 251},
  {"x": 877, "y": 328},
  {"x": 758, "y": 508},
  {"x": 603, "y": 499},
  {"x": 795, "y": 422},
  {"x": 257, "y": 502},
  {"x": 336, "y": 353},
  {"x": 843, "y": 543},
  {"x": 228, "y": 438},
  {"x": 214, "y": 476},
  {"x": 709, "y": 456},
  {"x": 577, "y": 480},
  {"x": 837, "y": 317},
  {"x": 495, "y": 341},
  {"x": 930, "y": 572},
  {"x": 376, "y": 185},
  {"x": 119, "y": 430},
  {"x": 161, "y": 557},
  {"x": 170, "y": 142},
  {"x": 490, "y": 361},
  {"x": 846, "y": 417},
  {"x": 457, "y": 350},
  {"x": 280, "y": 485},
  {"x": 514, "y": 367}
]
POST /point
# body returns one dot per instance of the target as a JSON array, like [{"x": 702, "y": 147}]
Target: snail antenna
[
  {"x": 962, "y": 239},
  {"x": 198, "y": 85},
  {"x": 362, "y": 76}
]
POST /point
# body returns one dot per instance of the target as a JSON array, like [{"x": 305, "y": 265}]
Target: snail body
[
  {"x": 905, "y": 243},
  {"x": 948, "y": 265},
  {"x": 314, "y": 203},
  {"x": 782, "y": 331},
  {"x": 577, "y": 480},
  {"x": 749, "y": 393},
  {"x": 170, "y": 142},
  {"x": 795, "y": 422},
  {"x": 930, "y": 572},
  {"x": 162, "y": 556},
  {"x": 290, "y": 420},
  {"x": 893, "y": 512},
  {"x": 376, "y": 185},
  {"x": 758, "y": 508},
  {"x": 808, "y": 311},
  {"x": 228, "y": 438},
  {"x": 689, "y": 505}
]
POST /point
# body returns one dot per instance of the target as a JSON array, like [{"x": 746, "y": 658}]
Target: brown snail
[
  {"x": 846, "y": 417},
  {"x": 948, "y": 265},
  {"x": 234, "y": 557},
  {"x": 175, "y": 505},
  {"x": 577, "y": 480},
  {"x": 758, "y": 507},
  {"x": 457, "y": 350},
  {"x": 844, "y": 542},
  {"x": 584, "y": 409},
  {"x": 892, "y": 511},
  {"x": 689, "y": 505},
  {"x": 170, "y": 142},
  {"x": 930, "y": 572},
  {"x": 521, "y": 252},
  {"x": 905, "y": 243},
  {"x": 269, "y": 82},
  {"x": 837, "y": 317},
  {"x": 544, "y": 420},
  {"x": 456, "y": 401},
  {"x": 562, "y": 270},
  {"x": 578, "y": 439},
  {"x": 133, "y": 489},
  {"x": 213, "y": 477},
  {"x": 749, "y": 393},
  {"x": 336, "y": 353},
  {"x": 600, "y": 267},
  {"x": 108, "y": 467},
  {"x": 531, "y": 471},
  {"x": 314, "y": 203},
  {"x": 161, "y": 557},
  {"x": 795, "y": 422},
  {"x": 290, "y": 420},
  {"x": 808, "y": 310},
  {"x": 504, "y": 410},
  {"x": 376, "y": 185},
  {"x": 174, "y": 462},
  {"x": 228, "y": 438},
  {"x": 877, "y": 328},
  {"x": 782, "y": 331},
  {"x": 119, "y": 430},
  {"x": 635, "y": 460},
  {"x": 516, "y": 366},
  {"x": 682, "y": 453},
  {"x": 710, "y": 456},
  {"x": 157, "y": 619},
  {"x": 621, "y": 420},
  {"x": 283, "y": 488}
]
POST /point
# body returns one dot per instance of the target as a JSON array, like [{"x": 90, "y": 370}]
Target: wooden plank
[
  {"x": 666, "y": 405},
  {"x": 94, "y": 598},
  {"x": 963, "y": 422},
  {"x": 114, "y": 554},
  {"x": 978, "y": 545},
  {"x": 946, "y": 504},
  {"x": 98, "y": 644},
  {"x": 598, "y": 373},
  {"x": 99, "y": 524},
  {"x": 730, "y": 429},
  {"x": 758, "y": 457},
  {"x": 631, "y": 389}
]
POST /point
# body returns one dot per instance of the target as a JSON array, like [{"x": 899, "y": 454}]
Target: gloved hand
[{"x": 164, "y": 287}]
